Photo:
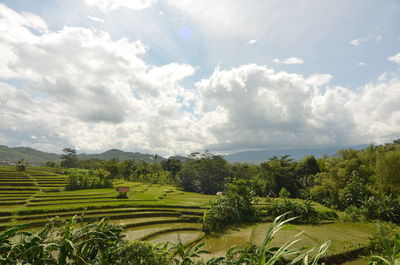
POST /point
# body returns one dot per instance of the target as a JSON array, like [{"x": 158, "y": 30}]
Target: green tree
[
  {"x": 113, "y": 167},
  {"x": 388, "y": 171},
  {"x": 69, "y": 159},
  {"x": 21, "y": 165},
  {"x": 213, "y": 173},
  {"x": 172, "y": 165},
  {"x": 188, "y": 178}
]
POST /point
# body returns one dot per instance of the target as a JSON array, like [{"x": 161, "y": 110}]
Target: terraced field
[{"x": 150, "y": 213}]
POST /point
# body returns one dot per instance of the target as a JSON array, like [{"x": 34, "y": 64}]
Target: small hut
[{"x": 123, "y": 192}]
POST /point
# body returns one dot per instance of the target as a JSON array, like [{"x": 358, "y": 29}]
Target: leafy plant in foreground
[{"x": 387, "y": 242}]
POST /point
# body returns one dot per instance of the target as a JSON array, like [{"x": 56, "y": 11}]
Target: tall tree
[{"x": 69, "y": 158}]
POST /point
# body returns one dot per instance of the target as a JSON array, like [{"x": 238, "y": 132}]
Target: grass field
[{"x": 155, "y": 213}]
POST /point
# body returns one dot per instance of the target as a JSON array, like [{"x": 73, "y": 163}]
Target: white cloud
[
  {"x": 395, "y": 58},
  {"x": 252, "y": 42},
  {"x": 82, "y": 88},
  {"x": 291, "y": 60},
  {"x": 280, "y": 109},
  {"x": 95, "y": 19},
  {"x": 357, "y": 42},
  {"x": 106, "y": 5},
  {"x": 361, "y": 64},
  {"x": 105, "y": 93}
]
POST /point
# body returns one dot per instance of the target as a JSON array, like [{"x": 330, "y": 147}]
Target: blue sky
[{"x": 175, "y": 76}]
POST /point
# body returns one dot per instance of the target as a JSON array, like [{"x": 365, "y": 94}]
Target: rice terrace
[{"x": 149, "y": 201}]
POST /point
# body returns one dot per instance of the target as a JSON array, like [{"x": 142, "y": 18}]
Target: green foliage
[
  {"x": 21, "y": 165},
  {"x": 207, "y": 174},
  {"x": 140, "y": 253},
  {"x": 69, "y": 159},
  {"x": 304, "y": 211},
  {"x": 172, "y": 165},
  {"x": 355, "y": 214},
  {"x": 280, "y": 172},
  {"x": 88, "y": 179},
  {"x": 388, "y": 171},
  {"x": 354, "y": 193},
  {"x": 235, "y": 206},
  {"x": 188, "y": 179},
  {"x": 284, "y": 193},
  {"x": 385, "y": 208},
  {"x": 386, "y": 242},
  {"x": 59, "y": 242},
  {"x": 66, "y": 243}
]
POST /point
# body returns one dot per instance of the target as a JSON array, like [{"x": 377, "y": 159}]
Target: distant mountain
[
  {"x": 259, "y": 156},
  {"x": 13, "y": 154},
  {"x": 121, "y": 155}
]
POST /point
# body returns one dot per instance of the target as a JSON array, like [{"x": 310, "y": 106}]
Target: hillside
[
  {"x": 258, "y": 156},
  {"x": 13, "y": 154},
  {"x": 121, "y": 155}
]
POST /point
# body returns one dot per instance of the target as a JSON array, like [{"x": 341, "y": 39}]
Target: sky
[{"x": 176, "y": 76}]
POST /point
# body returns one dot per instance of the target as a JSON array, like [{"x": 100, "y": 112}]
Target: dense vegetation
[{"x": 365, "y": 183}]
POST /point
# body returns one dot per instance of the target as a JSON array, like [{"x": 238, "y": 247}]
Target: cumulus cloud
[
  {"x": 291, "y": 60},
  {"x": 102, "y": 87},
  {"x": 395, "y": 58},
  {"x": 280, "y": 109},
  {"x": 106, "y": 5}
]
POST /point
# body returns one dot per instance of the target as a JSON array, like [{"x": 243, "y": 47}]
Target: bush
[
  {"x": 385, "y": 208},
  {"x": 386, "y": 242},
  {"x": 80, "y": 180},
  {"x": 284, "y": 193},
  {"x": 355, "y": 214},
  {"x": 141, "y": 253},
  {"x": 232, "y": 207},
  {"x": 305, "y": 211}
]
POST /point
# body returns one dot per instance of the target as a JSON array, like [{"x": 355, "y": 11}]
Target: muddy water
[
  {"x": 342, "y": 236},
  {"x": 175, "y": 237},
  {"x": 138, "y": 232}
]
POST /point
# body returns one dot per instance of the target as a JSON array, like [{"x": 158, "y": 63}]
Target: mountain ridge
[{"x": 13, "y": 154}]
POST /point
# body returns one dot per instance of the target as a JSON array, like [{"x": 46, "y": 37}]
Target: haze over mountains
[{"x": 13, "y": 154}]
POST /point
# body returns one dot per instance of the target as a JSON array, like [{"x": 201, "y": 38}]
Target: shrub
[
  {"x": 284, "y": 193},
  {"x": 386, "y": 242},
  {"x": 355, "y": 214},
  {"x": 232, "y": 207},
  {"x": 80, "y": 180},
  {"x": 140, "y": 253},
  {"x": 304, "y": 211},
  {"x": 385, "y": 208}
]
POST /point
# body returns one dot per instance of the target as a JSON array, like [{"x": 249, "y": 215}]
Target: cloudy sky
[{"x": 175, "y": 76}]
